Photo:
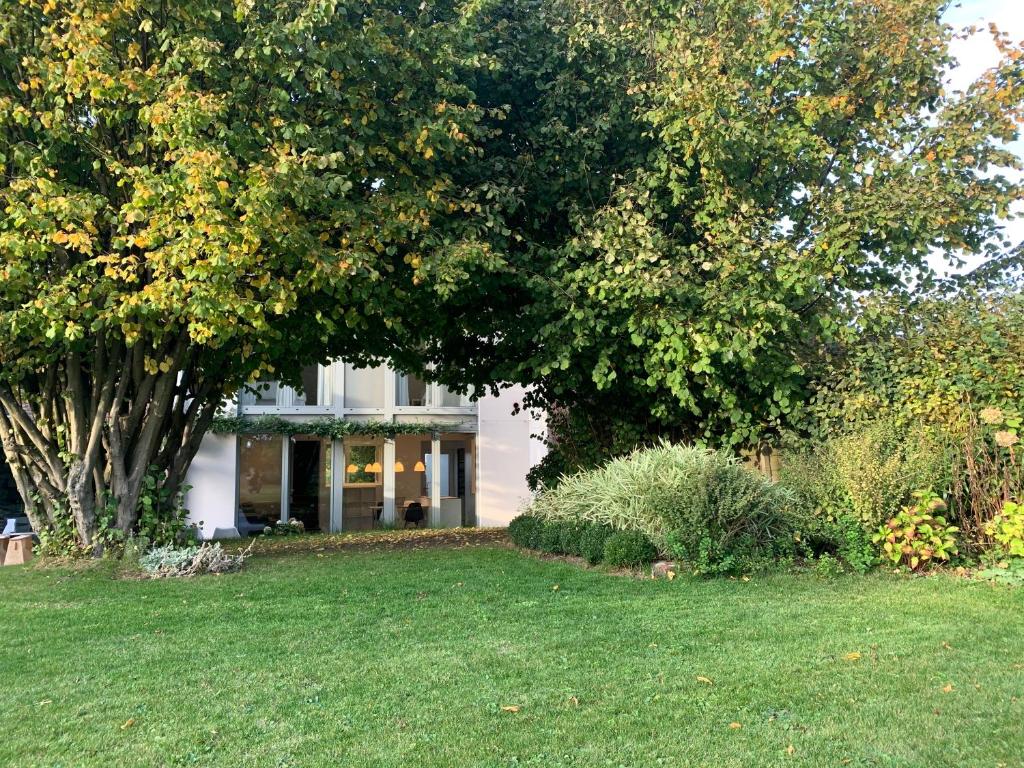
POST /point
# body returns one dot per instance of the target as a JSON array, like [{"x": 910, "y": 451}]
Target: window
[
  {"x": 362, "y": 465},
  {"x": 411, "y": 389},
  {"x": 265, "y": 393},
  {"x": 364, "y": 387},
  {"x": 363, "y": 497},
  {"x": 310, "y": 393},
  {"x": 449, "y": 399},
  {"x": 445, "y": 474},
  {"x": 259, "y": 482}
]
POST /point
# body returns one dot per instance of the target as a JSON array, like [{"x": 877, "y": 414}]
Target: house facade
[{"x": 418, "y": 454}]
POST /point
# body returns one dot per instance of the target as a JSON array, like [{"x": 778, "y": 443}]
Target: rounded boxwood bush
[
  {"x": 592, "y": 541},
  {"x": 628, "y": 549},
  {"x": 550, "y": 539},
  {"x": 525, "y": 531},
  {"x": 572, "y": 538}
]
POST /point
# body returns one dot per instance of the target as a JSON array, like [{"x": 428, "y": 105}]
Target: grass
[{"x": 366, "y": 657}]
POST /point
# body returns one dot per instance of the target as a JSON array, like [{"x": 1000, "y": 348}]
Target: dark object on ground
[{"x": 414, "y": 514}]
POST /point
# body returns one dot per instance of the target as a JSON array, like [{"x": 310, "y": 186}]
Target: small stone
[{"x": 664, "y": 569}]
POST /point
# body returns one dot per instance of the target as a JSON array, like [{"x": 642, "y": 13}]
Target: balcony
[{"x": 340, "y": 389}]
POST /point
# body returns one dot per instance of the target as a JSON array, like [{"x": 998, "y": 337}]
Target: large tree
[
  {"x": 699, "y": 190},
  {"x": 200, "y": 192}
]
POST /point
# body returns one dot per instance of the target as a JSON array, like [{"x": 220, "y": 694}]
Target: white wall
[
  {"x": 505, "y": 454},
  {"x": 213, "y": 500}
]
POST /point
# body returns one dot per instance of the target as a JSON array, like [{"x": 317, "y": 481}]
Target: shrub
[
  {"x": 917, "y": 536},
  {"x": 628, "y": 549},
  {"x": 571, "y": 540},
  {"x": 1007, "y": 530},
  {"x": 592, "y": 541},
  {"x": 828, "y": 566},
  {"x": 653, "y": 490},
  {"x": 988, "y": 471},
  {"x": 525, "y": 531},
  {"x": 854, "y": 545},
  {"x": 550, "y": 539},
  {"x": 169, "y": 560},
  {"x": 881, "y": 465},
  {"x": 736, "y": 520}
]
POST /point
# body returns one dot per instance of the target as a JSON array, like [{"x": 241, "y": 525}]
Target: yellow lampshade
[
  {"x": 374, "y": 467},
  {"x": 419, "y": 467},
  {"x": 351, "y": 469},
  {"x": 399, "y": 466}
]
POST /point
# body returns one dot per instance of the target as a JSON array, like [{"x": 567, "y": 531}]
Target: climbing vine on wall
[{"x": 329, "y": 427}]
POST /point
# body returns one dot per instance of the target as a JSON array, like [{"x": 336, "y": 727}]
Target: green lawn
[{"x": 406, "y": 658}]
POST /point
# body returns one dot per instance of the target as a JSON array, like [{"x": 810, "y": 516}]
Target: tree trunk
[{"x": 92, "y": 427}]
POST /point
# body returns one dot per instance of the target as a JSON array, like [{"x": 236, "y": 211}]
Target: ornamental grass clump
[{"x": 696, "y": 505}]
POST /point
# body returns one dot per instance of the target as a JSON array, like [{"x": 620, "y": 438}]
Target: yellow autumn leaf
[
  {"x": 947, "y": 688},
  {"x": 781, "y": 53},
  {"x": 852, "y": 656},
  {"x": 128, "y": 723},
  {"x": 705, "y": 680},
  {"x": 510, "y": 708},
  {"x": 735, "y": 725}
]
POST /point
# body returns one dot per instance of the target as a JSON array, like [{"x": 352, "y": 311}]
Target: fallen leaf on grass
[
  {"x": 128, "y": 723},
  {"x": 574, "y": 701},
  {"x": 510, "y": 708},
  {"x": 735, "y": 725},
  {"x": 790, "y": 750},
  {"x": 947, "y": 688},
  {"x": 670, "y": 575},
  {"x": 705, "y": 680},
  {"x": 44, "y": 702},
  {"x": 852, "y": 656}
]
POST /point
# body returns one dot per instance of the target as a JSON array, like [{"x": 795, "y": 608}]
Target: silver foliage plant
[{"x": 170, "y": 561}]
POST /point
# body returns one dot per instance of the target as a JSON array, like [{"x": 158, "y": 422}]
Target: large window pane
[
  {"x": 259, "y": 480},
  {"x": 410, "y": 468},
  {"x": 310, "y": 394},
  {"x": 364, "y": 387},
  {"x": 261, "y": 393},
  {"x": 450, "y": 399},
  {"x": 363, "y": 495},
  {"x": 410, "y": 389},
  {"x": 446, "y": 468}
]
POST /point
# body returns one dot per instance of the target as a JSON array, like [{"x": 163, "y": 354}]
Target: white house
[{"x": 482, "y": 451}]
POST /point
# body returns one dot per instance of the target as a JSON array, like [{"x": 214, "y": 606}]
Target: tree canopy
[
  {"x": 702, "y": 189},
  {"x": 657, "y": 214},
  {"x": 198, "y": 193}
]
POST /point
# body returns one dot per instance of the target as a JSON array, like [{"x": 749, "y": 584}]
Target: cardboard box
[{"x": 19, "y": 550}]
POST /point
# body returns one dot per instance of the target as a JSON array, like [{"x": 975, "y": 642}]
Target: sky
[{"x": 978, "y": 53}]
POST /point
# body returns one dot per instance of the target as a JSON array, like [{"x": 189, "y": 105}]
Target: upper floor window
[
  {"x": 310, "y": 394},
  {"x": 271, "y": 393},
  {"x": 410, "y": 389},
  {"x": 413, "y": 390}
]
